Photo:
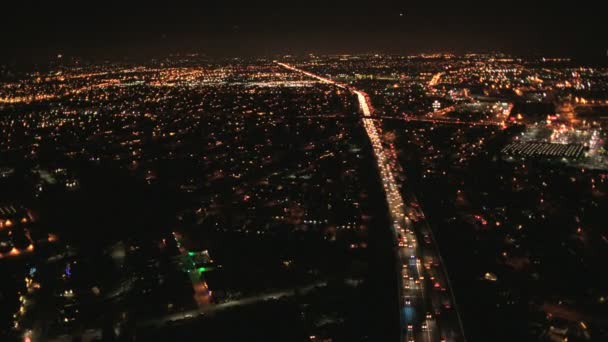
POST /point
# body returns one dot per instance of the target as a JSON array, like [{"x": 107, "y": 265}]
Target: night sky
[{"x": 109, "y": 28}]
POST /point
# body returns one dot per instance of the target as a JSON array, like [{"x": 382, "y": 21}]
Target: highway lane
[
  {"x": 435, "y": 79},
  {"x": 427, "y": 304}
]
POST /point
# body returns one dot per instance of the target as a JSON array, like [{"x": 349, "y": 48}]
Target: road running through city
[
  {"x": 427, "y": 306},
  {"x": 263, "y": 297}
]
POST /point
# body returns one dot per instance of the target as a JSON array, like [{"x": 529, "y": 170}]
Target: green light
[
  {"x": 191, "y": 254},
  {"x": 202, "y": 269}
]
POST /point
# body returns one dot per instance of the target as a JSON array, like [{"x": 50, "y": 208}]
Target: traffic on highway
[{"x": 428, "y": 309}]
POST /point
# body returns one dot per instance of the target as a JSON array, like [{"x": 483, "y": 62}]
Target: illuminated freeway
[
  {"x": 435, "y": 80},
  {"x": 428, "y": 310}
]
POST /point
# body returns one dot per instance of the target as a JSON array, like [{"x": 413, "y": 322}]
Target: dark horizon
[{"x": 239, "y": 29}]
